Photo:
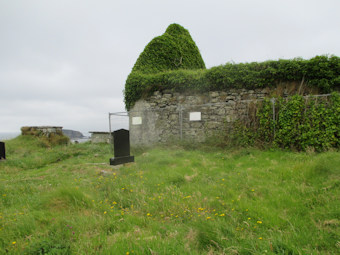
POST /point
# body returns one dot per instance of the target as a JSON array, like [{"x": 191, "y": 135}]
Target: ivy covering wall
[
  {"x": 173, "y": 51},
  {"x": 320, "y": 72},
  {"x": 300, "y": 123}
]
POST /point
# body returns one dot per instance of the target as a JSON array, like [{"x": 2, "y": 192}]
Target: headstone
[
  {"x": 121, "y": 142},
  {"x": 2, "y": 151}
]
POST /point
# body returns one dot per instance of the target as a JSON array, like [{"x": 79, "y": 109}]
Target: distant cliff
[{"x": 73, "y": 134}]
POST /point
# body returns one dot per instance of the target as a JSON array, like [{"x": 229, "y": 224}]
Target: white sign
[
  {"x": 195, "y": 116},
  {"x": 136, "y": 120}
]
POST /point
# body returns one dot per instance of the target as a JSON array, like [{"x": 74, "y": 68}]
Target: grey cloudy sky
[{"x": 65, "y": 62}]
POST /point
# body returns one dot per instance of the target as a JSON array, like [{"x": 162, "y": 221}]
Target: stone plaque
[
  {"x": 136, "y": 120},
  {"x": 2, "y": 151},
  {"x": 121, "y": 142},
  {"x": 195, "y": 116}
]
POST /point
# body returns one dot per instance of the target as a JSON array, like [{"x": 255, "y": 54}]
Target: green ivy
[
  {"x": 290, "y": 118},
  {"x": 174, "y": 50},
  {"x": 320, "y": 72},
  {"x": 300, "y": 123},
  {"x": 265, "y": 130}
]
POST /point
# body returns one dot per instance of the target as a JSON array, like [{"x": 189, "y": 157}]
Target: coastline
[{"x": 8, "y": 135}]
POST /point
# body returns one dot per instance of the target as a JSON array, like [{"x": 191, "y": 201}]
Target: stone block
[{"x": 213, "y": 94}]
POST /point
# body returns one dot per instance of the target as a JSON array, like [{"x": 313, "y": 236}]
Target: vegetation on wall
[
  {"x": 320, "y": 72},
  {"x": 173, "y": 62},
  {"x": 174, "y": 50},
  {"x": 299, "y": 123},
  {"x": 46, "y": 140}
]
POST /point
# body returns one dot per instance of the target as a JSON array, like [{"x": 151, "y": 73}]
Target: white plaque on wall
[
  {"x": 136, "y": 120},
  {"x": 195, "y": 116}
]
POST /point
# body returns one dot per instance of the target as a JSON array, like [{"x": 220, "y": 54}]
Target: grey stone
[{"x": 162, "y": 122}]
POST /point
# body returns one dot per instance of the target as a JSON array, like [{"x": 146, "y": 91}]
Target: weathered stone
[
  {"x": 168, "y": 113},
  {"x": 221, "y": 111},
  {"x": 214, "y": 100},
  {"x": 213, "y": 125},
  {"x": 214, "y": 94},
  {"x": 231, "y": 103},
  {"x": 101, "y": 137}
]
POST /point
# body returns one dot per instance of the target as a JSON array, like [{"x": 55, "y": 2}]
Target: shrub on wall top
[
  {"x": 172, "y": 61},
  {"x": 173, "y": 50}
]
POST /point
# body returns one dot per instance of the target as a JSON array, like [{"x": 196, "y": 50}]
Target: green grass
[{"x": 68, "y": 200}]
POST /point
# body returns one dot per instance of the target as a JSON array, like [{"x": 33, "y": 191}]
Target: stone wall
[
  {"x": 44, "y": 130},
  {"x": 101, "y": 137},
  {"x": 168, "y": 116}
]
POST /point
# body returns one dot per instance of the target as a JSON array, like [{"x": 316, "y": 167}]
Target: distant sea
[{"x": 8, "y": 135}]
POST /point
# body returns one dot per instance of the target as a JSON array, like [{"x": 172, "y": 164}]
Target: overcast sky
[{"x": 65, "y": 62}]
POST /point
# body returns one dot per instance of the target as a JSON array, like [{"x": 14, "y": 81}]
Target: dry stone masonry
[
  {"x": 101, "y": 137},
  {"x": 167, "y": 116},
  {"x": 44, "y": 130}
]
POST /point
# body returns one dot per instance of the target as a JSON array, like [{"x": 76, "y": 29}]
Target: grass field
[{"x": 68, "y": 200}]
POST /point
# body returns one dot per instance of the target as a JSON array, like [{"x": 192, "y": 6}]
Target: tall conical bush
[{"x": 174, "y": 50}]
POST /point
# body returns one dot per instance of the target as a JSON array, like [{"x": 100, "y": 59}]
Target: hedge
[
  {"x": 173, "y": 50},
  {"x": 321, "y": 72},
  {"x": 173, "y": 61}
]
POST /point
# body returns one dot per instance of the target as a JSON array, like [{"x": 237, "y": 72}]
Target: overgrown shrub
[
  {"x": 54, "y": 139},
  {"x": 320, "y": 72},
  {"x": 174, "y": 50},
  {"x": 46, "y": 140},
  {"x": 301, "y": 123}
]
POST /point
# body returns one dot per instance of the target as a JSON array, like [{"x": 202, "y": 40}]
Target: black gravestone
[
  {"x": 121, "y": 142},
  {"x": 2, "y": 151}
]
